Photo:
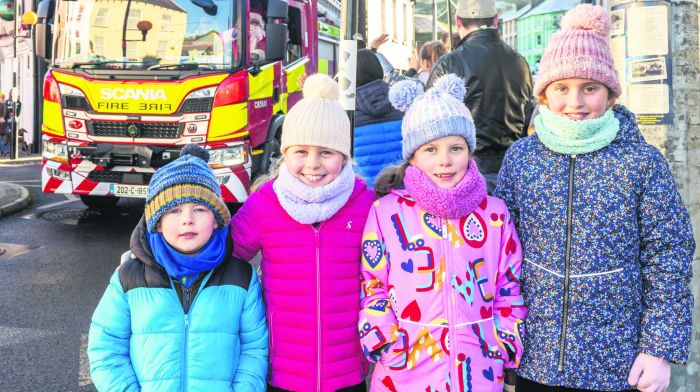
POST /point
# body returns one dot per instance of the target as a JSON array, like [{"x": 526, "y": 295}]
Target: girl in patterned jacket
[
  {"x": 307, "y": 219},
  {"x": 607, "y": 242},
  {"x": 441, "y": 307}
]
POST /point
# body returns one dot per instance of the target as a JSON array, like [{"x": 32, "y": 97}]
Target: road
[{"x": 59, "y": 258}]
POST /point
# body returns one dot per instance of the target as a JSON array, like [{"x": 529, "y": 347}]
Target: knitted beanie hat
[
  {"x": 318, "y": 119},
  {"x": 435, "y": 113},
  {"x": 580, "y": 50},
  {"x": 188, "y": 179},
  {"x": 369, "y": 68}
]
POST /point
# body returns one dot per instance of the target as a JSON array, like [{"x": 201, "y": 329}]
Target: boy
[{"x": 179, "y": 313}]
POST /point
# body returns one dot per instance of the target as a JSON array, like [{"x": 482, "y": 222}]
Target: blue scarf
[
  {"x": 566, "y": 136},
  {"x": 184, "y": 267}
]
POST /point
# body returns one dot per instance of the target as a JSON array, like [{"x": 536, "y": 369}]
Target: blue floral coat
[{"x": 607, "y": 248}]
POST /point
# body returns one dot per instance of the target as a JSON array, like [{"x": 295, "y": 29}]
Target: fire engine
[{"x": 132, "y": 81}]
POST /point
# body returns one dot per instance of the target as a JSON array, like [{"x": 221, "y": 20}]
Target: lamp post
[{"x": 28, "y": 19}]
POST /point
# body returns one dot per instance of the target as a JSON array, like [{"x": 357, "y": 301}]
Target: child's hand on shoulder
[{"x": 649, "y": 373}]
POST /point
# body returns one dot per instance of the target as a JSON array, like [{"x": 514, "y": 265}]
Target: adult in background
[
  {"x": 377, "y": 134},
  {"x": 498, "y": 83},
  {"x": 4, "y": 134}
]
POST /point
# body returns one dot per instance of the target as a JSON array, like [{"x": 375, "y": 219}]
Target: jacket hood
[
  {"x": 139, "y": 246},
  {"x": 373, "y": 99},
  {"x": 629, "y": 131}
]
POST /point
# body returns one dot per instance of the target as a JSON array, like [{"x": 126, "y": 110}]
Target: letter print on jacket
[{"x": 441, "y": 306}]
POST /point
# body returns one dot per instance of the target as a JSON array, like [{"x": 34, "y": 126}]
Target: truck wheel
[{"x": 99, "y": 202}]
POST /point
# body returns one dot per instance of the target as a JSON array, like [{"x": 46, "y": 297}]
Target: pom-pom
[
  {"x": 451, "y": 84},
  {"x": 195, "y": 150},
  {"x": 587, "y": 17},
  {"x": 402, "y": 94},
  {"x": 320, "y": 86}
]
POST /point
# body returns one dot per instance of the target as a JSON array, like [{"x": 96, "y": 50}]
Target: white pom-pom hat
[
  {"x": 433, "y": 114},
  {"x": 318, "y": 119},
  {"x": 580, "y": 50}
]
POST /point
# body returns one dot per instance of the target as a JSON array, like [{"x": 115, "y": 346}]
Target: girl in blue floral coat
[{"x": 607, "y": 241}]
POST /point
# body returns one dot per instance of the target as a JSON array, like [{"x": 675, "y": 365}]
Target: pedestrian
[
  {"x": 4, "y": 135},
  {"x": 307, "y": 217},
  {"x": 498, "y": 83},
  {"x": 179, "y": 312},
  {"x": 606, "y": 238},
  {"x": 441, "y": 306},
  {"x": 377, "y": 133},
  {"x": 430, "y": 52}
]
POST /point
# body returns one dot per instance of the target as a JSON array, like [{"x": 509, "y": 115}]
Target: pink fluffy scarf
[{"x": 451, "y": 203}]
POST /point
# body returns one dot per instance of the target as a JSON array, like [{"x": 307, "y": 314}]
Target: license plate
[{"x": 129, "y": 190}]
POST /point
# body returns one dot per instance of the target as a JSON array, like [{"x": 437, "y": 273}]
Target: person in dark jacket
[
  {"x": 179, "y": 313},
  {"x": 607, "y": 242},
  {"x": 377, "y": 134},
  {"x": 498, "y": 83}
]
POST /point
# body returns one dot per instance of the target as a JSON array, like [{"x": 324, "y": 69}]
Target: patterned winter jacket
[
  {"x": 607, "y": 247},
  {"x": 142, "y": 340},
  {"x": 442, "y": 309},
  {"x": 311, "y": 285}
]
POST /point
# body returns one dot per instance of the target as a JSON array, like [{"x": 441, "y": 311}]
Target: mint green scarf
[{"x": 566, "y": 136}]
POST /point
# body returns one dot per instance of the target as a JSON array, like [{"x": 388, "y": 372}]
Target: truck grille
[
  {"x": 115, "y": 177},
  {"x": 154, "y": 130},
  {"x": 197, "y": 105}
]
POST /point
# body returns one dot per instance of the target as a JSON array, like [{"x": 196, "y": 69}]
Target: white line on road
[
  {"x": 71, "y": 198},
  {"x": 84, "y": 365}
]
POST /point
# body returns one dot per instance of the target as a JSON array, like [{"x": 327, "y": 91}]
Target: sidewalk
[
  {"x": 12, "y": 198},
  {"x": 23, "y": 159}
]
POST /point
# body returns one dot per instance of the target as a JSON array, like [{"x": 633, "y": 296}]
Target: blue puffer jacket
[
  {"x": 141, "y": 339},
  {"x": 607, "y": 249},
  {"x": 377, "y": 135}
]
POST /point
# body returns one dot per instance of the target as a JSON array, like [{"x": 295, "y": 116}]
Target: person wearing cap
[
  {"x": 377, "y": 133},
  {"x": 607, "y": 241},
  {"x": 306, "y": 217},
  {"x": 441, "y": 306},
  {"x": 179, "y": 313},
  {"x": 498, "y": 82}
]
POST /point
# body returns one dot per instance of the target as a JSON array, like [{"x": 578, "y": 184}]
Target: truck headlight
[
  {"x": 55, "y": 151},
  {"x": 227, "y": 157},
  {"x": 70, "y": 90},
  {"x": 202, "y": 93}
]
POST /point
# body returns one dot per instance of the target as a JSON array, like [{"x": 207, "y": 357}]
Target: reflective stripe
[{"x": 574, "y": 276}]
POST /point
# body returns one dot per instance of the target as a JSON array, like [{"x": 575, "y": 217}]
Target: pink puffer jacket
[
  {"x": 311, "y": 286},
  {"x": 442, "y": 309}
]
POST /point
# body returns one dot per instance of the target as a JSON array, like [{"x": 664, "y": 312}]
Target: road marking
[
  {"x": 71, "y": 198},
  {"x": 16, "y": 335},
  {"x": 23, "y": 181},
  {"x": 84, "y": 365}
]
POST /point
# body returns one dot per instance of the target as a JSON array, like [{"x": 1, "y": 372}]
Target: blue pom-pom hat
[
  {"x": 435, "y": 113},
  {"x": 188, "y": 179}
]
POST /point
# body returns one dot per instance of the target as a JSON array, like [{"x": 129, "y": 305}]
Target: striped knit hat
[
  {"x": 435, "y": 113},
  {"x": 188, "y": 179},
  {"x": 580, "y": 50}
]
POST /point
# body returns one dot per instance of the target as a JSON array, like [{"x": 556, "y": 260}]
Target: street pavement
[{"x": 14, "y": 197}]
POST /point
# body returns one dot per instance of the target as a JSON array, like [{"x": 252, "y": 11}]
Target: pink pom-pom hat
[{"x": 580, "y": 50}]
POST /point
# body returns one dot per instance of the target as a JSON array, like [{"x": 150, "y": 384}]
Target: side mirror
[
  {"x": 43, "y": 36},
  {"x": 277, "y": 9},
  {"x": 276, "y": 41}
]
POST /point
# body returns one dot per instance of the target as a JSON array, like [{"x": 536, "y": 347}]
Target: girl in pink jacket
[
  {"x": 307, "y": 218},
  {"x": 441, "y": 307}
]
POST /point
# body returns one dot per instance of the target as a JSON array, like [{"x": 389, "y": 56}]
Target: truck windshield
[{"x": 149, "y": 34}]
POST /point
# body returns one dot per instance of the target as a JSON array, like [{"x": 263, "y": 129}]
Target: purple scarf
[{"x": 451, "y": 203}]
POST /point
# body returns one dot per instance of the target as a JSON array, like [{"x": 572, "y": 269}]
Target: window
[
  {"x": 166, "y": 23},
  {"x": 134, "y": 18},
  {"x": 132, "y": 50},
  {"x": 101, "y": 17},
  {"x": 98, "y": 45},
  {"x": 162, "y": 49},
  {"x": 538, "y": 39}
]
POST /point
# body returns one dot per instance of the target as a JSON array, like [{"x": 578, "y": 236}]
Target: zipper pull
[{"x": 187, "y": 321}]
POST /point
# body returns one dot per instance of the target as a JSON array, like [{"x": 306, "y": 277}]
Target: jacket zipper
[
  {"x": 569, "y": 213},
  {"x": 449, "y": 293},
  {"x": 318, "y": 305}
]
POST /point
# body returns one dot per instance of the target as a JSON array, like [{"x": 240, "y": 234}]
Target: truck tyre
[{"x": 99, "y": 202}]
